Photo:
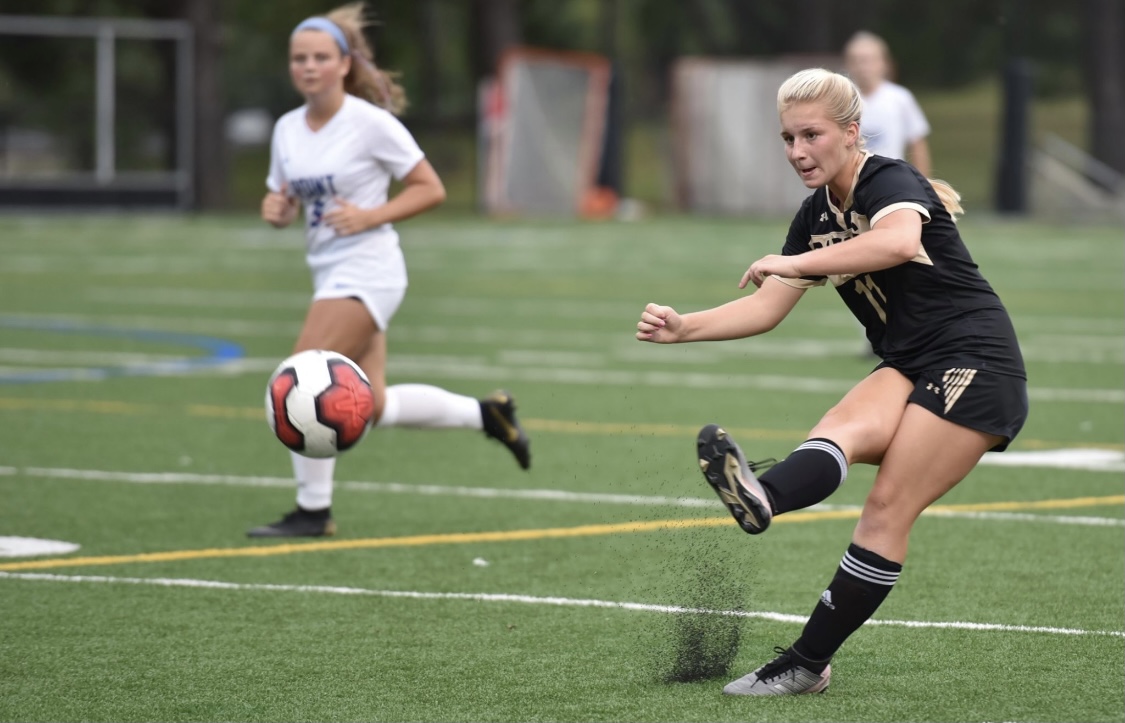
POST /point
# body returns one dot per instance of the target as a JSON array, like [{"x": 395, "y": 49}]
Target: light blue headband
[{"x": 327, "y": 26}]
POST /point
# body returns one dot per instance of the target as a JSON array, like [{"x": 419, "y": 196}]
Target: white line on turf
[
  {"x": 478, "y": 368},
  {"x": 92, "y": 475},
  {"x": 1054, "y": 331},
  {"x": 532, "y": 600}
]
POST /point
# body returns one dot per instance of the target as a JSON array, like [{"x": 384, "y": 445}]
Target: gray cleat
[
  {"x": 725, "y": 469},
  {"x": 781, "y": 676}
]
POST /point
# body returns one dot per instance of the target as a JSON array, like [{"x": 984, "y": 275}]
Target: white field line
[
  {"x": 195, "y": 324},
  {"x": 531, "y": 600},
  {"x": 91, "y": 475},
  {"x": 610, "y": 346},
  {"x": 478, "y": 368},
  {"x": 531, "y": 307},
  {"x": 120, "y": 265},
  {"x": 582, "y": 349},
  {"x": 1054, "y": 331},
  {"x": 473, "y": 368},
  {"x": 1097, "y": 460},
  {"x": 12, "y": 355}
]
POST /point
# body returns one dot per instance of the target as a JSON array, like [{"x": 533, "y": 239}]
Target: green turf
[{"x": 547, "y": 310}]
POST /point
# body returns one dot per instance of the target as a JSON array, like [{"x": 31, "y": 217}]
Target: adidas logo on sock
[{"x": 826, "y": 599}]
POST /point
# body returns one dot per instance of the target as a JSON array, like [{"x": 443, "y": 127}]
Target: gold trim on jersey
[
  {"x": 922, "y": 257},
  {"x": 799, "y": 283},
  {"x": 850, "y": 200},
  {"x": 954, "y": 383},
  {"x": 853, "y": 224},
  {"x": 883, "y": 212}
]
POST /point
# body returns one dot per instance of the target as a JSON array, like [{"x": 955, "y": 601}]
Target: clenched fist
[
  {"x": 279, "y": 208},
  {"x": 659, "y": 324}
]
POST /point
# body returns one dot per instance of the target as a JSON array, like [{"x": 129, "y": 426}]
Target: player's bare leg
[
  {"x": 927, "y": 457},
  {"x": 424, "y": 406},
  {"x": 346, "y": 327}
]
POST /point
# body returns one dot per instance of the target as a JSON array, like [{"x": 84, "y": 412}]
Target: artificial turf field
[{"x": 133, "y": 358}]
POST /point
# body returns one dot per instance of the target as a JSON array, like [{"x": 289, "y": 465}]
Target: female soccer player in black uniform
[{"x": 951, "y": 385}]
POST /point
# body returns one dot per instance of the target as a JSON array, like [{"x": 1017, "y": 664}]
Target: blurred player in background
[
  {"x": 336, "y": 155},
  {"x": 892, "y": 124},
  {"x": 951, "y": 385}
]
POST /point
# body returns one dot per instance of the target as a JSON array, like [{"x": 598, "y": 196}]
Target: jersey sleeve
[
  {"x": 797, "y": 242},
  {"x": 891, "y": 188},
  {"x": 276, "y": 177},
  {"x": 394, "y": 147}
]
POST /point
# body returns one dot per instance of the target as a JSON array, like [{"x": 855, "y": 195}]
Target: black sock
[
  {"x": 862, "y": 582},
  {"x": 323, "y": 514},
  {"x": 807, "y": 476}
]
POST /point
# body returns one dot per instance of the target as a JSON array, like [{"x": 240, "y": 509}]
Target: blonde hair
[
  {"x": 365, "y": 79},
  {"x": 838, "y": 95},
  {"x": 844, "y": 104},
  {"x": 948, "y": 196}
]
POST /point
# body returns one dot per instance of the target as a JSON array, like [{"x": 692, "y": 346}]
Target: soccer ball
[{"x": 319, "y": 403}]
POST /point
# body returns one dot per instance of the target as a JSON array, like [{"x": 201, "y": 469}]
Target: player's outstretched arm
[
  {"x": 895, "y": 239},
  {"x": 748, "y": 316}
]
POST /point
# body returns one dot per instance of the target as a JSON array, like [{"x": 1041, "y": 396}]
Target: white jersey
[
  {"x": 891, "y": 120},
  {"x": 353, "y": 156}
]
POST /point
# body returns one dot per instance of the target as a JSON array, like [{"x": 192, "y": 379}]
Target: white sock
[
  {"x": 421, "y": 405},
  {"x": 314, "y": 481}
]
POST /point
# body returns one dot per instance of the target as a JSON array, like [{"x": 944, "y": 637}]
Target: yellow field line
[
  {"x": 558, "y": 426},
  {"x": 461, "y": 538}
]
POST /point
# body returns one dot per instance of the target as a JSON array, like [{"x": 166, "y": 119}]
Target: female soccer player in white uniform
[
  {"x": 951, "y": 385},
  {"x": 336, "y": 156}
]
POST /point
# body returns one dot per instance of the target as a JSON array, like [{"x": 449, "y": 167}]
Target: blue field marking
[{"x": 217, "y": 352}]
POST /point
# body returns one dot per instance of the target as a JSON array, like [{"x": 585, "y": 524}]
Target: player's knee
[
  {"x": 879, "y": 503},
  {"x": 886, "y": 512},
  {"x": 862, "y": 440}
]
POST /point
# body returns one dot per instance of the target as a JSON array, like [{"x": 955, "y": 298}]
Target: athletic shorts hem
[
  {"x": 980, "y": 400},
  {"x": 380, "y": 303}
]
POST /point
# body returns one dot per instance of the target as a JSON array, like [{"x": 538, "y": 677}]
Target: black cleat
[
  {"x": 498, "y": 412},
  {"x": 725, "y": 469},
  {"x": 298, "y": 523}
]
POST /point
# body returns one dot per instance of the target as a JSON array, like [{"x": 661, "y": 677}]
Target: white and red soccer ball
[{"x": 319, "y": 403}]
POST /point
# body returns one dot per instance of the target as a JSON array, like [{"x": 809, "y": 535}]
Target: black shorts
[{"x": 987, "y": 402}]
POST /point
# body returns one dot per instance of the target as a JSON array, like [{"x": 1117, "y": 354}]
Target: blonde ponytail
[
  {"x": 949, "y": 197},
  {"x": 365, "y": 79}
]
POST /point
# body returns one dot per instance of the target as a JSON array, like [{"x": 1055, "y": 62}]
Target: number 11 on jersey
[{"x": 866, "y": 285}]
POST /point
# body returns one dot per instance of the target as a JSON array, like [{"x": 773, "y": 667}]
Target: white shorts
[{"x": 377, "y": 280}]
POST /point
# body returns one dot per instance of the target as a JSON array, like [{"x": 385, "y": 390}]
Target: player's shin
[
  {"x": 314, "y": 481},
  {"x": 862, "y": 582},
  {"x": 807, "y": 476}
]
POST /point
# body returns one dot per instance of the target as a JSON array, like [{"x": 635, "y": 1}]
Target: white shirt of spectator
[{"x": 891, "y": 120}]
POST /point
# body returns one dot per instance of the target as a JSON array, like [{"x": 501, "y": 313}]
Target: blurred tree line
[{"x": 443, "y": 48}]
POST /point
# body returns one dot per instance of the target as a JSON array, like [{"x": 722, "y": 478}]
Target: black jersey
[{"x": 933, "y": 312}]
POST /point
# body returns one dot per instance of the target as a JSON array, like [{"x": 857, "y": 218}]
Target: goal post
[
  {"x": 542, "y": 132},
  {"x": 727, "y": 153},
  {"x": 38, "y": 166}
]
